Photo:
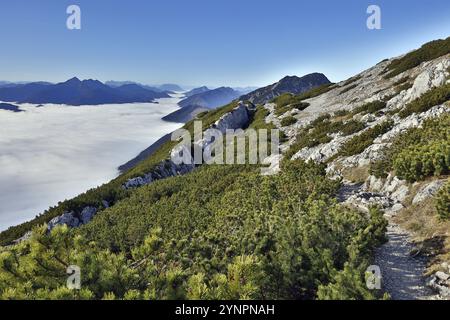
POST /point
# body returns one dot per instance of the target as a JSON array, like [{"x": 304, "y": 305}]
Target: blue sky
[{"x": 212, "y": 42}]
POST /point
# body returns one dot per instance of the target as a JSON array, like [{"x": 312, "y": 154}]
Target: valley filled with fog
[{"x": 53, "y": 152}]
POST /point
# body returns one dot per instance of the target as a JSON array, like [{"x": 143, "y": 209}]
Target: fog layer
[{"x": 53, "y": 152}]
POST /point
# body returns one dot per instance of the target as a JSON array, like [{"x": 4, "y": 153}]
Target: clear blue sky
[{"x": 212, "y": 42}]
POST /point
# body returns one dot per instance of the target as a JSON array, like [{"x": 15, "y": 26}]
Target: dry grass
[{"x": 356, "y": 174}]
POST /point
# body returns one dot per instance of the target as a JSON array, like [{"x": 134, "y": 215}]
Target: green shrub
[
  {"x": 316, "y": 91},
  {"x": 432, "y": 130},
  {"x": 287, "y": 102},
  {"x": 287, "y": 121},
  {"x": 220, "y": 232},
  {"x": 201, "y": 114},
  {"x": 426, "y": 101},
  {"x": 427, "y": 52},
  {"x": 443, "y": 202},
  {"x": 351, "y": 127},
  {"x": 418, "y": 162},
  {"x": 319, "y": 130},
  {"x": 360, "y": 142},
  {"x": 258, "y": 121},
  {"x": 370, "y": 107},
  {"x": 342, "y": 113}
]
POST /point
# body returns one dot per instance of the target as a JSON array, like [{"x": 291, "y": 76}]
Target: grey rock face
[
  {"x": 428, "y": 191},
  {"x": 236, "y": 119},
  {"x": 364, "y": 200},
  {"x": 138, "y": 181},
  {"x": 73, "y": 220},
  {"x": 67, "y": 218},
  {"x": 87, "y": 214},
  {"x": 166, "y": 168},
  {"x": 440, "y": 283}
]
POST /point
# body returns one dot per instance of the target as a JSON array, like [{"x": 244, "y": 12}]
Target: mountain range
[{"x": 76, "y": 92}]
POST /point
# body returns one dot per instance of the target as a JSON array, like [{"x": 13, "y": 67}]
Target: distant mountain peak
[
  {"x": 291, "y": 84},
  {"x": 73, "y": 80},
  {"x": 211, "y": 99}
]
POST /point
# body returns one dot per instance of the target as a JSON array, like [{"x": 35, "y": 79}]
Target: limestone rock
[
  {"x": 236, "y": 119},
  {"x": 400, "y": 194},
  {"x": 68, "y": 218},
  {"x": 428, "y": 191},
  {"x": 87, "y": 214}
]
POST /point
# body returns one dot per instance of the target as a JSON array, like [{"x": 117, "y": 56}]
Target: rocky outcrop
[
  {"x": 291, "y": 84},
  {"x": 427, "y": 191},
  {"x": 165, "y": 169},
  {"x": 432, "y": 74},
  {"x": 238, "y": 118},
  {"x": 440, "y": 281},
  {"x": 72, "y": 219}
]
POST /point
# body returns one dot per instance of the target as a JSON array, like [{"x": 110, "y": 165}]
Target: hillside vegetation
[
  {"x": 223, "y": 232},
  {"x": 427, "y": 52}
]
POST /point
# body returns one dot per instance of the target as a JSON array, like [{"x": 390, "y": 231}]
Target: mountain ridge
[
  {"x": 288, "y": 84},
  {"x": 78, "y": 92},
  {"x": 211, "y": 99}
]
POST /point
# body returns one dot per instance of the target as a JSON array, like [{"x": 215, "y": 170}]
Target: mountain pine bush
[
  {"x": 220, "y": 232},
  {"x": 443, "y": 202},
  {"x": 359, "y": 143},
  {"x": 418, "y": 162},
  {"x": 433, "y": 132},
  {"x": 432, "y": 98},
  {"x": 287, "y": 121},
  {"x": 427, "y": 52}
]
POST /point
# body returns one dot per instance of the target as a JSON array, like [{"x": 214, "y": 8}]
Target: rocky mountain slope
[
  {"x": 290, "y": 84},
  {"x": 351, "y": 128},
  {"x": 362, "y": 180}
]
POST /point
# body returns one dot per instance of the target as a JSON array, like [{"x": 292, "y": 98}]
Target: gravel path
[{"x": 402, "y": 273}]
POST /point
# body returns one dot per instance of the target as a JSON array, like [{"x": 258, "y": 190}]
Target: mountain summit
[{"x": 290, "y": 84}]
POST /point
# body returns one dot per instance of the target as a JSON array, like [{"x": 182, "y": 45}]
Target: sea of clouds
[{"x": 53, "y": 152}]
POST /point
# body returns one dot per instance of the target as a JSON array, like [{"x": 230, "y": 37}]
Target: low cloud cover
[{"x": 52, "y": 153}]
